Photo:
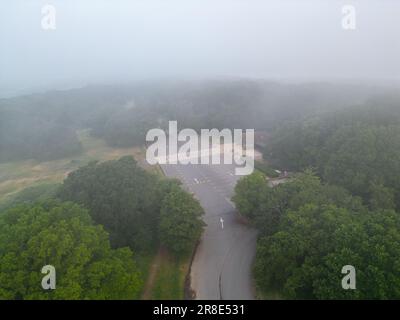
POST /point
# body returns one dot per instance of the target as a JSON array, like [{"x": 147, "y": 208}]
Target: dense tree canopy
[
  {"x": 137, "y": 209},
  {"x": 61, "y": 235},
  {"x": 305, "y": 257},
  {"x": 180, "y": 221},
  {"x": 310, "y": 230},
  {"x": 357, "y": 148},
  {"x": 265, "y": 206},
  {"x": 249, "y": 194},
  {"x": 119, "y": 195}
]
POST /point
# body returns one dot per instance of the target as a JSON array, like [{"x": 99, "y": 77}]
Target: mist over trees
[
  {"x": 23, "y": 136},
  {"x": 357, "y": 148},
  {"x": 342, "y": 209},
  {"x": 43, "y": 126},
  {"x": 318, "y": 81}
]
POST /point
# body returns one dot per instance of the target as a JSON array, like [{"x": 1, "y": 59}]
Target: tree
[
  {"x": 371, "y": 244},
  {"x": 61, "y": 235},
  {"x": 119, "y": 195},
  {"x": 249, "y": 192},
  {"x": 265, "y": 206},
  {"x": 304, "y": 259},
  {"x": 180, "y": 221},
  {"x": 381, "y": 197}
]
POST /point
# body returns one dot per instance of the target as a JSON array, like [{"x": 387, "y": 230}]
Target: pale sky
[{"x": 99, "y": 41}]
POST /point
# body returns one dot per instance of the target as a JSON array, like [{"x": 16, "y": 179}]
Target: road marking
[{"x": 222, "y": 223}]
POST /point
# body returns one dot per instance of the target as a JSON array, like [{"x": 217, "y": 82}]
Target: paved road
[{"x": 221, "y": 267}]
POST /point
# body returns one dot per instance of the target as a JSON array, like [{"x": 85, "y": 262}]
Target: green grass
[
  {"x": 18, "y": 175},
  {"x": 143, "y": 262},
  {"x": 40, "y": 192},
  {"x": 170, "y": 280}
]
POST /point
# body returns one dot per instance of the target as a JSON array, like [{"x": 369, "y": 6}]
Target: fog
[{"x": 98, "y": 41}]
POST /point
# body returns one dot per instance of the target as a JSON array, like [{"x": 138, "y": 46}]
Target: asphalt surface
[{"x": 222, "y": 264}]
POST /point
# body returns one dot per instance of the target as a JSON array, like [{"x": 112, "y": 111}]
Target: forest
[
  {"x": 35, "y": 126},
  {"x": 357, "y": 148},
  {"x": 340, "y": 206}
]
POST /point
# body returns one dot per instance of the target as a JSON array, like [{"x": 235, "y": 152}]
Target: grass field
[{"x": 18, "y": 175}]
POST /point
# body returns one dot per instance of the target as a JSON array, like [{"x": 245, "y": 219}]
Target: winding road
[{"x": 221, "y": 267}]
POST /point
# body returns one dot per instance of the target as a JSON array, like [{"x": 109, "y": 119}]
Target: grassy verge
[
  {"x": 170, "y": 279},
  {"x": 143, "y": 262}
]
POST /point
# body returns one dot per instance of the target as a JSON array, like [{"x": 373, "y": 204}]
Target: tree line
[{"x": 43, "y": 126}]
